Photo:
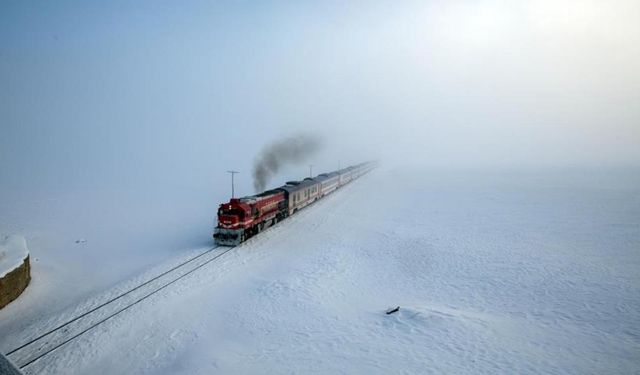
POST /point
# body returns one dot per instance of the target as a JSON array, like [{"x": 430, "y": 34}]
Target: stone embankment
[{"x": 15, "y": 269}]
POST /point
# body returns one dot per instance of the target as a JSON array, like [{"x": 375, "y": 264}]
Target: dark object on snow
[{"x": 392, "y": 310}]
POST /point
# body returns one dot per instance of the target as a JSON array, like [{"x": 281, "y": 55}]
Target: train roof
[
  {"x": 266, "y": 193},
  {"x": 290, "y": 188},
  {"x": 293, "y": 186},
  {"x": 326, "y": 176},
  {"x": 258, "y": 197}
]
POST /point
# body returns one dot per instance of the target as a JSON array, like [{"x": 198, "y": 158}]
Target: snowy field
[{"x": 510, "y": 272}]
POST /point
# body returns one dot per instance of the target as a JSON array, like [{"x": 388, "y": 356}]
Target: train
[{"x": 243, "y": 218}]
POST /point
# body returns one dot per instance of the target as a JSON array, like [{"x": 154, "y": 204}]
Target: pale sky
[{"x": 105, "y": 92}]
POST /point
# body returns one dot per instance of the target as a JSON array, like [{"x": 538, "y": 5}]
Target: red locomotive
[{"x": 242, "y": 218}]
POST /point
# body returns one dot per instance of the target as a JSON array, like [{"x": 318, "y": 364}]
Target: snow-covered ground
[
  {"x": 83, "y": 242},
  {"x": 494, "y": 272}
]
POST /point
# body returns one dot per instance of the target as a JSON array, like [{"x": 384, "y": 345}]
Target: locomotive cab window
[{"x": 231, "y": 212}]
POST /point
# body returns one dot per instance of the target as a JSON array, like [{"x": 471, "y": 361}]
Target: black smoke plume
[{"x": 273, "y": 157}]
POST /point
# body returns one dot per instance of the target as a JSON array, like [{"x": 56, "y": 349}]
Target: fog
[{"x": 171, "y": 94}]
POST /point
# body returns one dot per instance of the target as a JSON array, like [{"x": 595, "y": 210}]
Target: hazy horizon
[{"x": 98, "y": 93}]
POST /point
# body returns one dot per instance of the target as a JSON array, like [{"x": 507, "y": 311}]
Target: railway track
[{"x": 46, "y": 343}]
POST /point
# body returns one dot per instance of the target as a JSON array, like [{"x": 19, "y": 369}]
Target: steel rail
[
  {"x": 109, "y": 301},
  {"x": 29, "y": 362}
]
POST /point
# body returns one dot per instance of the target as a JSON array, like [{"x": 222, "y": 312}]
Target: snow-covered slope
[
  {"x": 493, "y": 273},
  {"x": 13, "y": 252}
]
